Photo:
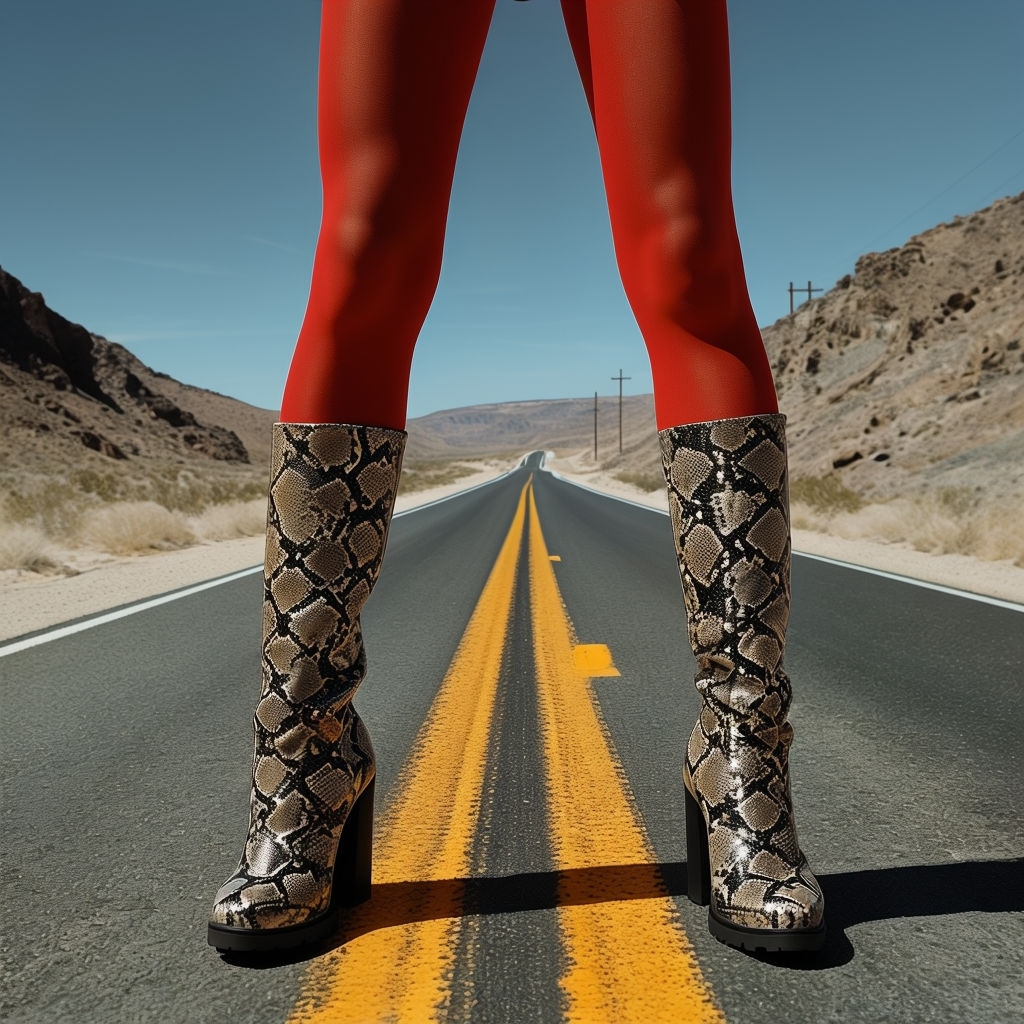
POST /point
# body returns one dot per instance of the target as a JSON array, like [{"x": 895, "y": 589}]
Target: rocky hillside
[
  {"x": 67, "y": 392},
  {"x": 909, "y": 373}
]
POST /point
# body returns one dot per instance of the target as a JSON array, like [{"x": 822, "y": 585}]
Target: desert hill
[
  {"x": 909, "y": 373},
  {"x": 66, "y": 389},
  {"x": 85, "y": 421}
]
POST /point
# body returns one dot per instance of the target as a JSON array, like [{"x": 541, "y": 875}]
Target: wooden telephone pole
[
  {"x": 620, "y": 379},
  {"x": 808, "y": 289}
]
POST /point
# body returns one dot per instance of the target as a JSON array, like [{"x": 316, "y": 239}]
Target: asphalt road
[{"x": 530, "y": 861}]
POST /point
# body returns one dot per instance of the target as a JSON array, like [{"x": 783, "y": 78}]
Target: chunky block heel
[
  {"x": 354, "y": 864},
  {"x": 698, "y": 864}
]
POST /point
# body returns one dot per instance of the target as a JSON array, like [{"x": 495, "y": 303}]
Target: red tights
[{"x": 395, "y": 80}]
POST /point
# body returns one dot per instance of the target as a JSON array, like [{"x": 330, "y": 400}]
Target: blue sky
[{"x": 160, "y": 181}]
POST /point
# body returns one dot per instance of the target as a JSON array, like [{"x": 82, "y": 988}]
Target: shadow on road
[
  {"x": 852, "y": 898},
  {"x": 927, "y": 890},
  {"x": 988, "y": 887}
]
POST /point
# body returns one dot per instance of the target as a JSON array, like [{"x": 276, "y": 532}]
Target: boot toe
[
  {"x": 796, "y": 904},
  {"x": 260, "y": 904}
]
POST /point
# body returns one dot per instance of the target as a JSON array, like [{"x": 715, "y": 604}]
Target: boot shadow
[
  {"x": 890, "y": 894},
  {"x": 852, "y": 898}
]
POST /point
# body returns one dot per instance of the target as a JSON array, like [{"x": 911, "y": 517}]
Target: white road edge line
[
  {"x": 999, "y": 602},
  {"x": 955, "y": 592},
  {"x": 120, "y": 613},
  {"x": 60, "y": 632}
]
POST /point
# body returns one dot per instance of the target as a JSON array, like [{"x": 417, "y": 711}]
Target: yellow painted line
[
  {"x": 628, "y": 957},
  {"x": 399, "y": 948},
  {"x": 593, "y": 660}
]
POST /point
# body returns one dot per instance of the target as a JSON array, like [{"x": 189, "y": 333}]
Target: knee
[
  {"x": 684, "y": 265},
  {"x": 383, "y": 243}
]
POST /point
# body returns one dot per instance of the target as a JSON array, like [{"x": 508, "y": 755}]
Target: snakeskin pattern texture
[
  {"x": 729, "y": 505},
  {"x": 332, "y": 492}
]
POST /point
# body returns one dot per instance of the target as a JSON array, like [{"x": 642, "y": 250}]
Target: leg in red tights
[
  {"x": 656, "y": 75},
  {"x": 395, "y": 80}
]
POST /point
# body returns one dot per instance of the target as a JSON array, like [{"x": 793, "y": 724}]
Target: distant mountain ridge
[{"x": 513, "y": 428}]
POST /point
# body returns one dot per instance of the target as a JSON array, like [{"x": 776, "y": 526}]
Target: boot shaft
[
  {"x": 332, "y": 494},
  {"x": 729, "y": 504}
]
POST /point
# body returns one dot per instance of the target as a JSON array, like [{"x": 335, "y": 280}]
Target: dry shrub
[
  {"x": 425, "y": 475},
  {"x": 824, "y": 494},
  {"x": 56, "y": 500},
  {"x": 24, "y": 547},
  {"x": 647, "y": 482},
  {"x": 226, "y": 522},
  {"x": 947, "y": 522},
  {"x": 130, "y": 527}
]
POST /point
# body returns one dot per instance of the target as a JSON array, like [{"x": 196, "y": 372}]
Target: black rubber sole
[
  {"x": 767, "y": 940},
  {"x": 249, "y": 940}
]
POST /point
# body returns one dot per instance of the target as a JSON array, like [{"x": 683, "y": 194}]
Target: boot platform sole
[
  {"x": 767, "y": 940},
  {"x": 250, "y": 940}
]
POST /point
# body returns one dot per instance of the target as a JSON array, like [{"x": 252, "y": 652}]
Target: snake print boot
[
  {"x": 729, "y": 504},
  {"x": 332, "y": 491}
]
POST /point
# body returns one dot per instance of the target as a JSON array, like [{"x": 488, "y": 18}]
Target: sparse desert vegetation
[
  {"x": 49, "y": 513},
  {"x": 46, "y": 519},
  {"x": 646, "y": 481},
  {"x": 950, "y": 521},
  {"x": 423, "y": 475},
  {"x": 25, "y": 547}
]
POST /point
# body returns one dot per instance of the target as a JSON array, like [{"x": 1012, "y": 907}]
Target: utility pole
[
  {"x": 620, "y": 379},
  {"x": 808, "y": 289},
  {"x": 595, "y": 426}
]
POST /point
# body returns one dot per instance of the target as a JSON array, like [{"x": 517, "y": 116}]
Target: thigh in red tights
[
  {"x": 394, "y": 83},
  {"x": 656, "y": 74}
]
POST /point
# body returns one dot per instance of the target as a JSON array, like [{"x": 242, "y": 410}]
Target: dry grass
[
  {"x": 25, "y": 548},
  {"x": 152, "y": 509},
  {"x": 56, "y": 500},
  {"x": 948, "y": 522},
  {"x": 148, "y": 507},
  {"x": 646, "y": 482},
  {"x": 226, "y": 522},
  {"x": 132, "y": 527},
  {"x": 824, "y": 494},
  {"x": 422, "y": 476}
]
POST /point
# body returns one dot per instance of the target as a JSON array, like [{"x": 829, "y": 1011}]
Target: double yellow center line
[{"x": 626, "y": 953}]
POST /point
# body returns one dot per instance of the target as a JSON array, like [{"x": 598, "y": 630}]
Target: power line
[{"x": 867, "y": 247}]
